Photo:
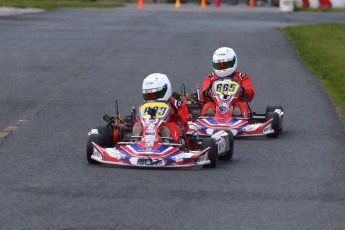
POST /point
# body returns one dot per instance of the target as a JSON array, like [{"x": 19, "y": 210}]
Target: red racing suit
[
  {"x": 178, "y": 114},
  {"x": 245, "y": 83}
]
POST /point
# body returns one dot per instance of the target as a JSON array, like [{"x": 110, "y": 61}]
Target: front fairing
[
  {"x": 225, "y": 93},
  {"x": 153, "y": 115},
  {"x": 161, "y": 156}
]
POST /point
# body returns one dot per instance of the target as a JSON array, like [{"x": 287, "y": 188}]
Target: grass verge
[
  {"x": 308, "y": 9},
  {"x": 322, "y": 49},
  {"x": 52, "y": 4}
]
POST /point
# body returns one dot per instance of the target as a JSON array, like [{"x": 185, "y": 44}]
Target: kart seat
[
  {"x": 237, "y": 112},
  {"x": 165, "y": 134},
  {"x": 209, "y": 112},
  {"x": 137, "y": 129}
]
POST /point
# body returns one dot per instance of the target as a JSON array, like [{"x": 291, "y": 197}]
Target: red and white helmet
[
  {"x": 224, "y": 61},
  {"x": 156, "y": 86}
]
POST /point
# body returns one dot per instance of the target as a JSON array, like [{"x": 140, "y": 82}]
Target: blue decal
[
  {"x": 223, "y": 109},
  {"x": 212, "y": 121},
  {"x": 138, "y": 149},
  {"x": 127, "y": 156},
  {"x": 169, "y": 160}
]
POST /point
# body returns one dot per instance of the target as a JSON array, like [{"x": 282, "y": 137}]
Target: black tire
[
  {"x": 98, "y": 139},
  {"x": 107, "y": 135},
  {"x": 228, "y": 155},
  {"x": 271, "y": 108},
  {"x": 212, "y": 153},
  {"x": 275, "y": 123}
]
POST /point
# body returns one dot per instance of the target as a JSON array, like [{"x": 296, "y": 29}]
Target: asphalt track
[{"x": 62, "y": 70}]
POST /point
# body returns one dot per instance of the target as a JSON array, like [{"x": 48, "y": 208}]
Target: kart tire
[
  {"x": 212, "y": 153},
  {"x": 275, "y": 123},
  {"x": 98, "y": 139},
  {"x": 228, "y": 155},
  {"x": 107, "y": 136},
  {"x": 271, "y": 108}
]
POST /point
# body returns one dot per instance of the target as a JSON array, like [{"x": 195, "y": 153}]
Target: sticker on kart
[
  {"x": 225, "y": 87},
  {"x": 161, "y": 109}
]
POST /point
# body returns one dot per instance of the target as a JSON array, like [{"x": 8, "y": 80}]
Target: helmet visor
[
  {"x": 224, "y": 65},
  {"x": 154, "y": 94}
]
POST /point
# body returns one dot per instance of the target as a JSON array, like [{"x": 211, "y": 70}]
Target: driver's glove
[
  {"x": 243, "y": 94},
  {"x": 207, "y": 94}
]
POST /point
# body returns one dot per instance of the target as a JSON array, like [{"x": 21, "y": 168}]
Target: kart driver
[
  {"x": 157, "y": 86},
  {"x": 224, "y": 66}
]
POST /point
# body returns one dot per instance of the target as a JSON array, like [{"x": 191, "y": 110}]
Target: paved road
[{"x": 62, "y": 70}]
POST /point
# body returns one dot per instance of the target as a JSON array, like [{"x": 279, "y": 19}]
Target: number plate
[
  {"x": 225, "y": 87},
  {"x": 162, "y": 109}
]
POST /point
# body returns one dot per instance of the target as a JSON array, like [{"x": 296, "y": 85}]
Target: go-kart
[
  {"x": 225, "y": 92},
  {"x": 115, "y": 144}
]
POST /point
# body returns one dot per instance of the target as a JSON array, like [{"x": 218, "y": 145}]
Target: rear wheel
[
  {"x": 228, "y": 155},
  {"x": 212, "y": 153},
  {"x": 275, "y": 123},
  {"x": 96, "y": 138},
  {"x": 107, "y": 135}
]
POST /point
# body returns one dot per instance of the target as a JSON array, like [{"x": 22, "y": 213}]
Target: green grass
[
  {"x": 52, "y": 4},
  {"x": 308, "y": 9},
  {"x": 322, "y": 48}
]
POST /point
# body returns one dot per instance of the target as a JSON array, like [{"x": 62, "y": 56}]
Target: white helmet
[
  {"x": 156, "y": 86},
  {"x": 224, "y": 61}
]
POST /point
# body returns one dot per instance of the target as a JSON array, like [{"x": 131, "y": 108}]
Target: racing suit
[
  {"x": 247, "y": 93},
  {"x": 179, "y": 113}
]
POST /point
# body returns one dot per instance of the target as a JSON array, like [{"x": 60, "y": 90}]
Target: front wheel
[
  {"x": 273, "y": 109},
  {"x": 228, "y": 155},
  {"x": 99, "y": 140},
  {"x": 107, "y": 136},
  {"x": 275, "y": 123},
  {"x": 212, "y": 152}
]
